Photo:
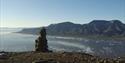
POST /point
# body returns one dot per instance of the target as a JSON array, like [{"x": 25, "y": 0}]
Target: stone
[
  {"x": 41, "y": 42},
  {"x": 3, "y": 55},
  {"x": 45, "y": 61}
]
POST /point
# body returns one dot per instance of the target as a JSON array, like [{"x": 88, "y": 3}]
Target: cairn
[{"x": 41, "y": 42}]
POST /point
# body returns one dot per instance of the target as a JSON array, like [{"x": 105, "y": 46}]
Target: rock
[
  {"x": 41, "y": 42},
  {"x": 3, "y": 55},
  {"x": 45, "y": 61}
]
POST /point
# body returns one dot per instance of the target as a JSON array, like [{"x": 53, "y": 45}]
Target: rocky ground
[{"x": 56, "y": 57}]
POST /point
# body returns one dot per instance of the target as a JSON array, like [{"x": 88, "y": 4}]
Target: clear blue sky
[{"x": 35, "y": 13}]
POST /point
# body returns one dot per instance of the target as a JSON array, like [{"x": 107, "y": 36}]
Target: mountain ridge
[{"x": 95, "y": 27}]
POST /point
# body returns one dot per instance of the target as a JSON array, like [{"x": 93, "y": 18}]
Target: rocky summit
[{"x": 57, "y": 57}]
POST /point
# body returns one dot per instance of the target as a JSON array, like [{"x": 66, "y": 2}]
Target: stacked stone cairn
[{"x": 41, "y": 42}]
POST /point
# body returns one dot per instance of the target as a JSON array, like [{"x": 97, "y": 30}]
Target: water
[{"x": 16, "y": 42}]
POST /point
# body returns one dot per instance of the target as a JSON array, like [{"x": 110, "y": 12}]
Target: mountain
[
  {"x": 96, "y": 27},
  {"x": 30, "y": 30},
  {"x": 102, "y": 27}
]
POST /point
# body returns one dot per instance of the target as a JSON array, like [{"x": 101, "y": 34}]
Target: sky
[{"x": 37, "y": 13}]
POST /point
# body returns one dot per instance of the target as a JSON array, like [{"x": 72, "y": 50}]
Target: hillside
[{"x": 96, "y": 27}]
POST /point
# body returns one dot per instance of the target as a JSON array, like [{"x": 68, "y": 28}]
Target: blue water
[{"x": 16, "y": 42}]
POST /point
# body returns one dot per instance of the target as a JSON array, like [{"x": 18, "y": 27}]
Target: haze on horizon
[{"x": 36, "y": 13}]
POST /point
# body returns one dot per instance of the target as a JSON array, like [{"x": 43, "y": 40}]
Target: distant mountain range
[{"x": 96, "y": 27}]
